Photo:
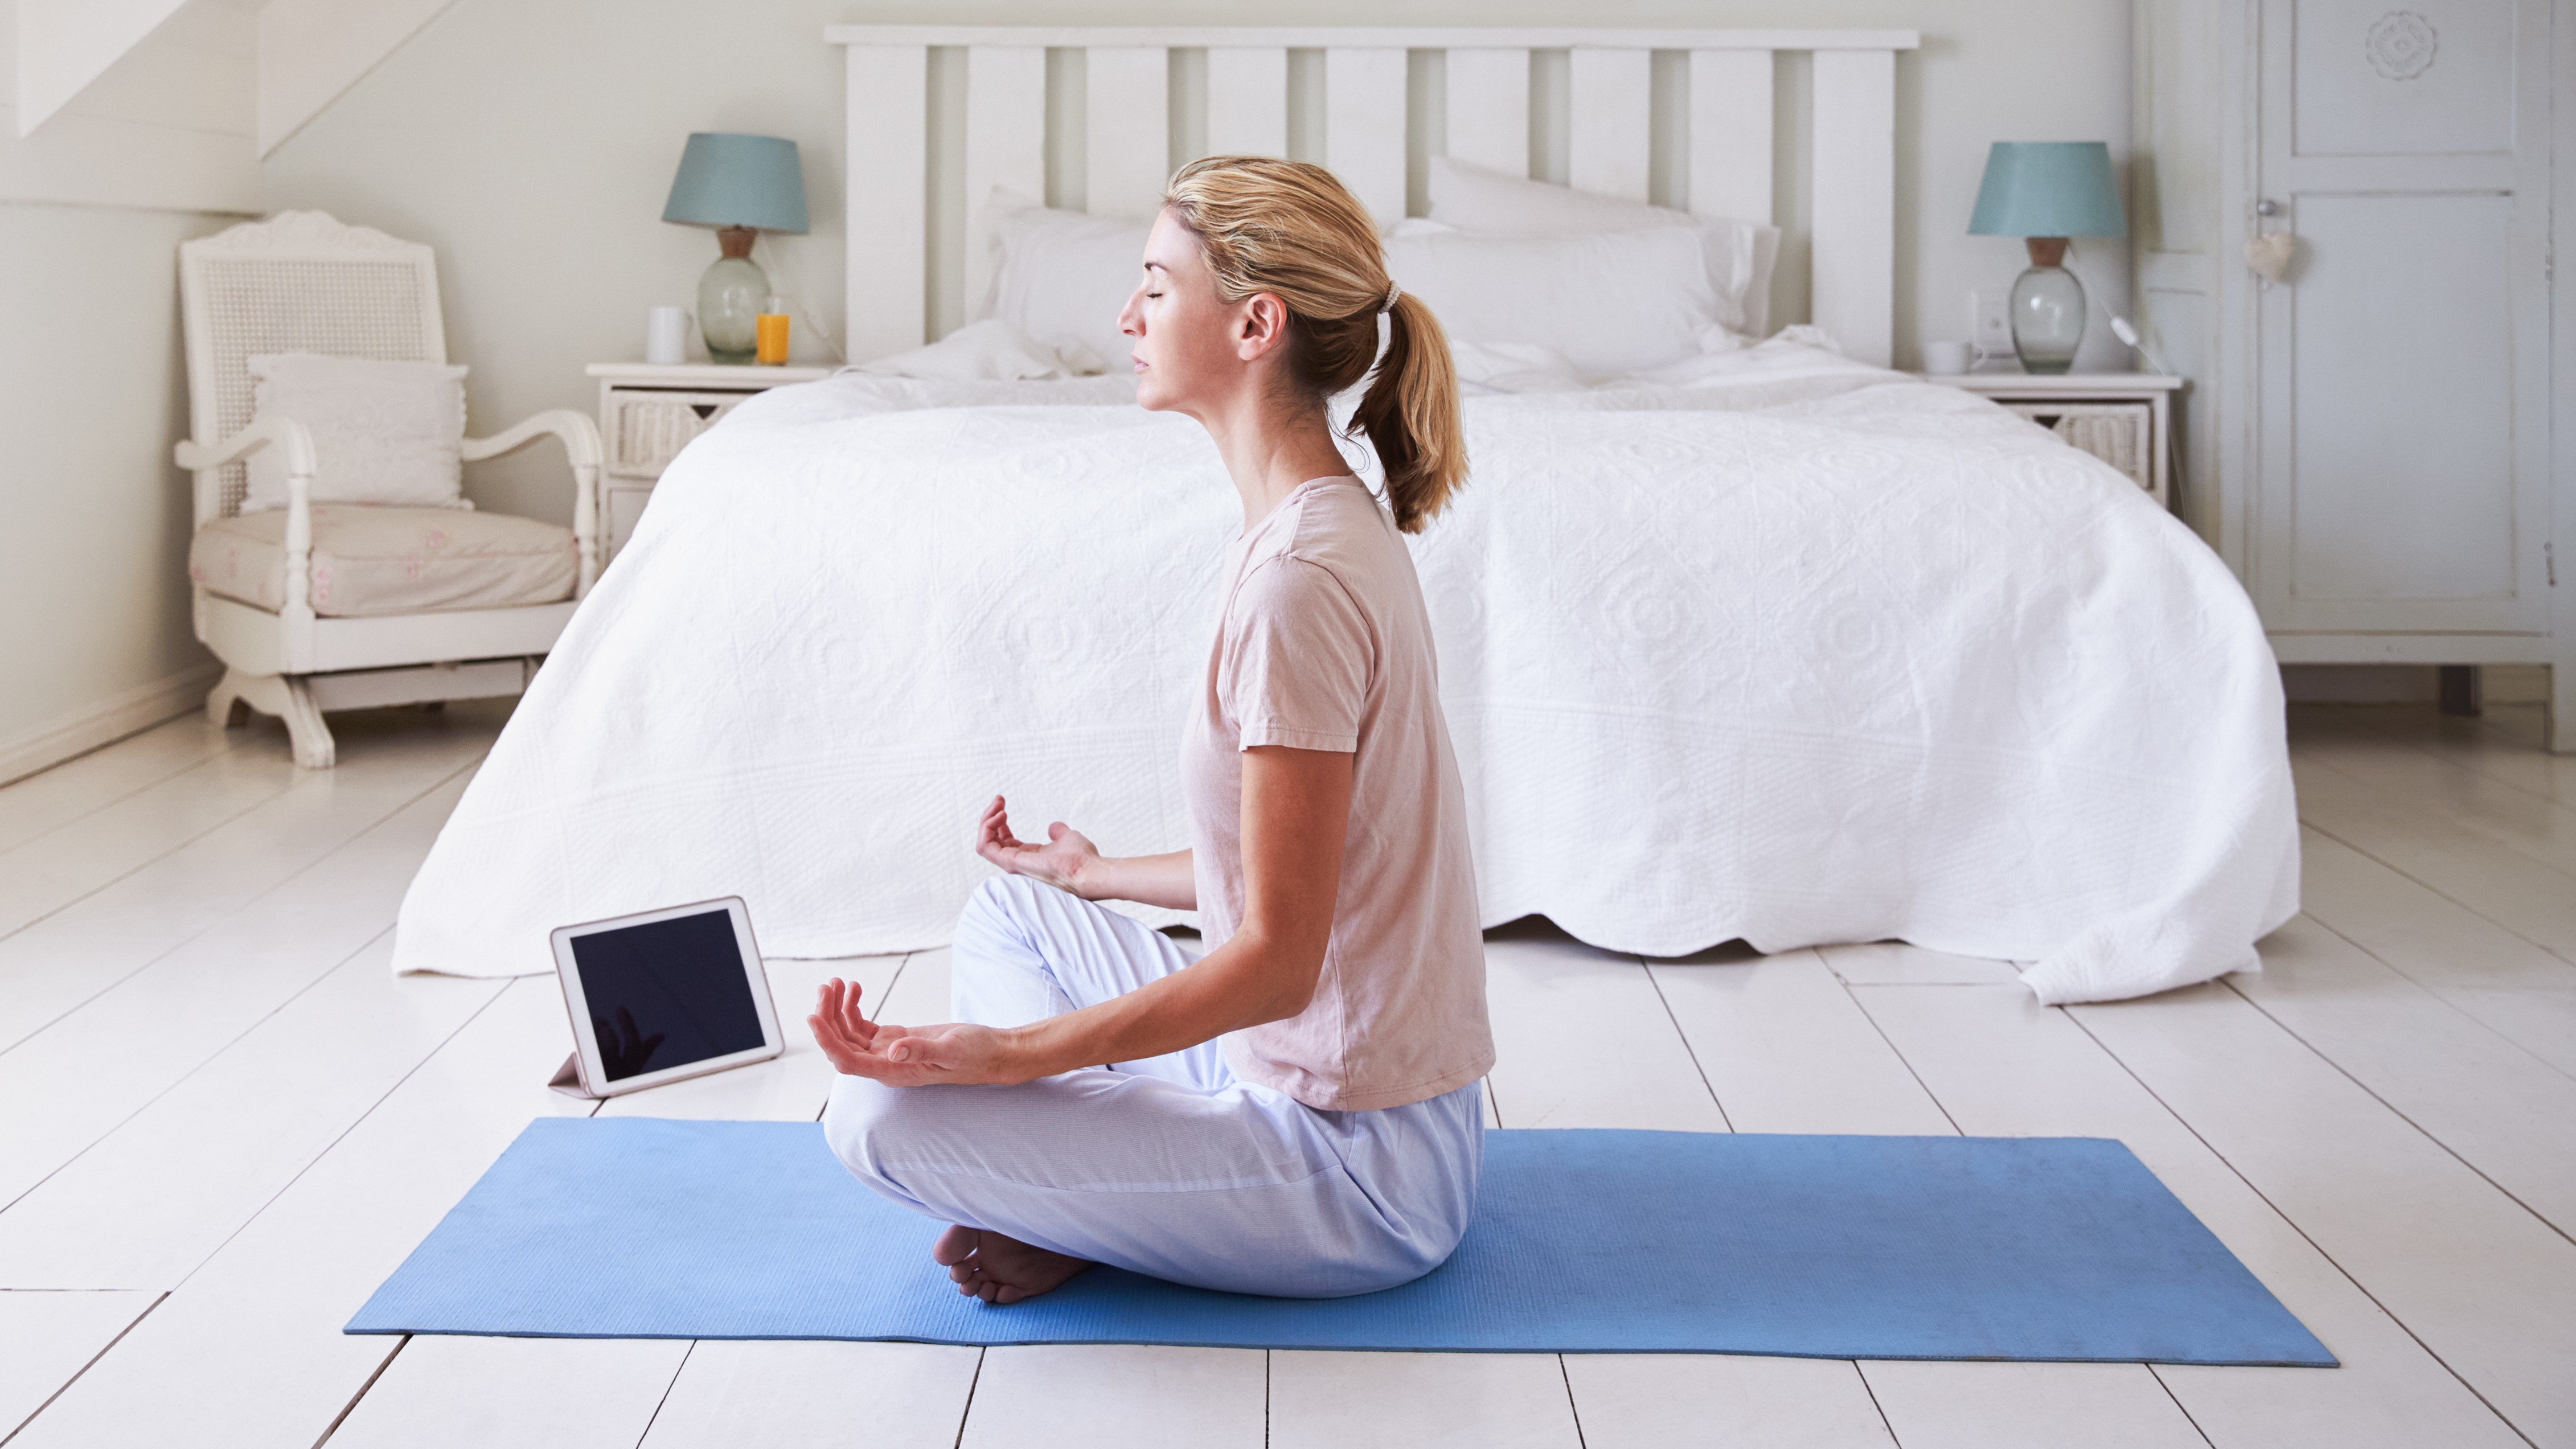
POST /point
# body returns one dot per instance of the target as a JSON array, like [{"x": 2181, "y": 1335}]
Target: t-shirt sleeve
[{"x": 1298, "y": 659}]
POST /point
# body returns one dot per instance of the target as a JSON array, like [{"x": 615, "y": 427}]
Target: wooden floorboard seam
[
  {"x": 351, "y": 1407},
  {"x": 65, "y": 1386},
  {"x": 665, "y": 1401},
  {"x": 229, "y": 1043},
  {"x": 2399, "y": 1112},
  {"x": 2384, "y": 863},
  {"x": 337, "y": 1138},
  {"x": 2294, "y": 1226},
  {"x": 239, "y": 906},
  {"x": 141, "y": 865},
  {"x": 1929, "y": 1095},
  {"x": 2181, "y": 1407},
  {"x": 1688, "y": 1050}
]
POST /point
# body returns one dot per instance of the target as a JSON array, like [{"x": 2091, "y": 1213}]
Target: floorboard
[
  {"x": 1719, "y": 1401},
  {"x": 2521, "y": 991},
  {"x": 153, "y": 1200},
  {"x": 1118, "y": 1396},
  {"x": 71, "y": 956},
  {"x": 2530, "y": 898},
  {"x": 54, "y": 798},
  {"x": 162, "y": 1021},
  {"x": 2004, "y": 1066},
  {"x": 248, "y": 1350},
  {"x": 1788, "y": 1050},
  {"x": 1581, "y": 1039},
  {"x": 882, "y": 1395},
  {"x": 2500, "y": 1109},
  {"x": 515, "y": 1393},
  {"x": 2482, "y": 1282},
  {"x": 1408, "y": 1400},
  {"x": 2029, "y": 1406},
  {"x": 2505, "y": 743},
  {"x": 2439, "y": 784},
  {"x": 46, "y": 1339},
  {"x": 64, "y": 864}
]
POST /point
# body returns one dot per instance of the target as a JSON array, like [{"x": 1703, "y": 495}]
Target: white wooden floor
[{"x": 222, "y": 1123}]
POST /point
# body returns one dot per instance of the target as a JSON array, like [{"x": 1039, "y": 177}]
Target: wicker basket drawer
[
  {"x": 2119, "y": 433},
  {"x": 644, "y": 431}
]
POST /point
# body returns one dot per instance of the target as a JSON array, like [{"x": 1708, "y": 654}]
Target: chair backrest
[{"x": 299, "y": 281}]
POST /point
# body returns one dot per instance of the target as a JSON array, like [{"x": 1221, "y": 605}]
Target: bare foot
[{"x": 1000, "y": 1269}]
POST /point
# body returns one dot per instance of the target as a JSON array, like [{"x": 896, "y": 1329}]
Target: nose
[{"x": 1131, "y": 318}]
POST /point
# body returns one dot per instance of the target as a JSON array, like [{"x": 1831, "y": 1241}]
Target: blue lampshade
[
  {"x": 2048, "y": 188},
  {"x": 727, "y": 180}
]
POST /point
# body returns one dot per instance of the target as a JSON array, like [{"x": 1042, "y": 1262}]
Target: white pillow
[
  {"x": 988, "y": 351},
  {"x": 1739, "y": 253},
  {"x": 383, "y": 432},
  {"x": 1061, "y": 278},
  {"x": 1611, "y": 303}
]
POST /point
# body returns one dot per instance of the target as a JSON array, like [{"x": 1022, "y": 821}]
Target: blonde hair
[{"x": 1291, "y": 229}]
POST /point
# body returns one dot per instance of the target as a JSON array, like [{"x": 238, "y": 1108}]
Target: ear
[{"x": 1262, "y": 328}]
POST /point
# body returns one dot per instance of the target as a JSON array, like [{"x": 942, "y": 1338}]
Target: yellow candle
[{"x": 771, "y": 340}]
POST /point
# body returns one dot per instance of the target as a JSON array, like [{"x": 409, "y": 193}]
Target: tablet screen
[{"x": 666, "y": 993}]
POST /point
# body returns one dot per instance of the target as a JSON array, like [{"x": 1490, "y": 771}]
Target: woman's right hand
[{"x": 1062, "y": 862}]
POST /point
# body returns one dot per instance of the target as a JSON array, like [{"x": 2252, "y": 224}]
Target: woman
[{"x": 1297, "y": 1111}]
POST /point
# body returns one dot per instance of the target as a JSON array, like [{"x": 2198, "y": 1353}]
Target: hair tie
[{"x": 1392, "y": 292}]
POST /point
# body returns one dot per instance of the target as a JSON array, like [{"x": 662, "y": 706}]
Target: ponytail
[
  {"x": 1292, "y": 229},
  {"x": 1410, "y": 414}
]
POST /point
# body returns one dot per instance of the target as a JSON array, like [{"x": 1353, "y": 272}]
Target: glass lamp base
[
  {"x": 730, "y": 297},
  {"x": 2048, "y": 309}
]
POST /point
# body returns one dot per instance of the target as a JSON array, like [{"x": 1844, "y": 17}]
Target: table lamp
[
  {"x": 2046, "y": 192},
  {"x": 741, "y": 186}
]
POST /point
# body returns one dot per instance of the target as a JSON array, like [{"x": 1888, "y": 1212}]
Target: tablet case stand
[{"x": 567, "y": 1080}]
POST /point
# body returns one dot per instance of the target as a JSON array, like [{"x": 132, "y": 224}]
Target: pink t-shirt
[{"x": 1324, "y": 645}]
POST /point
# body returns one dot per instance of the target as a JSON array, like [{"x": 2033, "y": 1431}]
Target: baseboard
[
  {"x": 2407, "y": 683},
  {"x": 105, "y": 722}
]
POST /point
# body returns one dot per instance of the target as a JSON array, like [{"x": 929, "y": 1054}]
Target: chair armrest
[
  {"x": 581, "y": 443},
  {"x": 580, "y": 437},
  {"x": 281, "y": 432},
  {"x": 297, "y": 441}
]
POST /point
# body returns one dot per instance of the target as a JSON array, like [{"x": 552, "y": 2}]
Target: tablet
[{"x": 662, "y": 995}]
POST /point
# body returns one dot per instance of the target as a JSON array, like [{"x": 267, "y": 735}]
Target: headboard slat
[
  {"x": 1730, "y": 134},
  {"x": 889, "y": 200},
  {"x": 1364, "y": 111},
  {"x": 1489, "y": 109},
  {"x": 1127, "y": 147},
  {"x": 1611, "y": 128},
  {"x": 1854, "y": 219},
  {"x": 1005, "y": 146},
  {"x": 1247, "y": 96}
]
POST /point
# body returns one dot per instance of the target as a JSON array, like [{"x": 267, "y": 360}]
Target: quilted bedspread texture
[{"x": 1805, "y": 652}]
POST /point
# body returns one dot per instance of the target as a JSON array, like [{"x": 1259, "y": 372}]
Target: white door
[{"x": 2404, "y": 364}]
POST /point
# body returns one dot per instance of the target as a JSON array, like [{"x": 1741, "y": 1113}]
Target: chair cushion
[
  {"x": 387, "y": 433},
  {"x": 370, "y": 561}
]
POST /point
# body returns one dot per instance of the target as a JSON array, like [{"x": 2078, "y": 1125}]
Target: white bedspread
[{"x": 1799, "y": 652}]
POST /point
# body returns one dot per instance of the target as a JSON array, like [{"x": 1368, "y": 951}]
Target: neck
[{"x": 1269, "y": 448}]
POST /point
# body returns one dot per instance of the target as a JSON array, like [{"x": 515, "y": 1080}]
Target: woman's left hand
[{"x": 906, "y": 1056}]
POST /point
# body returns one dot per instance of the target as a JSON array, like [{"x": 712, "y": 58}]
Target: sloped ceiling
[{"x": 310, "y": 51}]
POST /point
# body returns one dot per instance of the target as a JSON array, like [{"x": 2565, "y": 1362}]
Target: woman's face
[{"x": 1192, "y": 347}]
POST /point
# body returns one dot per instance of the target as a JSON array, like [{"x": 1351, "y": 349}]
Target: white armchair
[{"x": 294, "y": 644}]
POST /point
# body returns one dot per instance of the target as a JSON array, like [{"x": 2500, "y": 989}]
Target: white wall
[
  {"x": 93, "y": 207},
  {"x": 532, "y": 142}
]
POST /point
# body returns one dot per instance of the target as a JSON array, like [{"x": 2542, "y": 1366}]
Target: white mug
[
  {"x": 666, "y": 336},
  {"x": 1947, "y": 359}
]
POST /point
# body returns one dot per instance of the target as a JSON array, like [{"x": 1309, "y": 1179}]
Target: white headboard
[{"x": 1127, "y": 134}]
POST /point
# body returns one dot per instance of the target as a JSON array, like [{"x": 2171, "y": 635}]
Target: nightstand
[
  {"x": 648, "y": 413},
  {"x": 2123, "y": 418}
]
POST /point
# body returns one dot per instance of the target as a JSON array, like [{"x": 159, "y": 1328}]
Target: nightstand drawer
[
  {"x": 2120, "y": 434},
  {"x": 644, "y": 431}
]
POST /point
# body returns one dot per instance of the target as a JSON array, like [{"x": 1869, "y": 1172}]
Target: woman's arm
[
  {"x": 1070, "y": 862},
  {"x": 1296, "y": 806}
]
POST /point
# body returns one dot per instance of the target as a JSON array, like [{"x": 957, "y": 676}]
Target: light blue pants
[{"x": 1169, "y": 1166}]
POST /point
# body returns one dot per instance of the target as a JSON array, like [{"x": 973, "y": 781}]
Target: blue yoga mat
[{"x": 1584, "y": 1242}]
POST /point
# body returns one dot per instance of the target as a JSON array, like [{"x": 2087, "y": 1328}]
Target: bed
[{"x": 1777, "y": 646}]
